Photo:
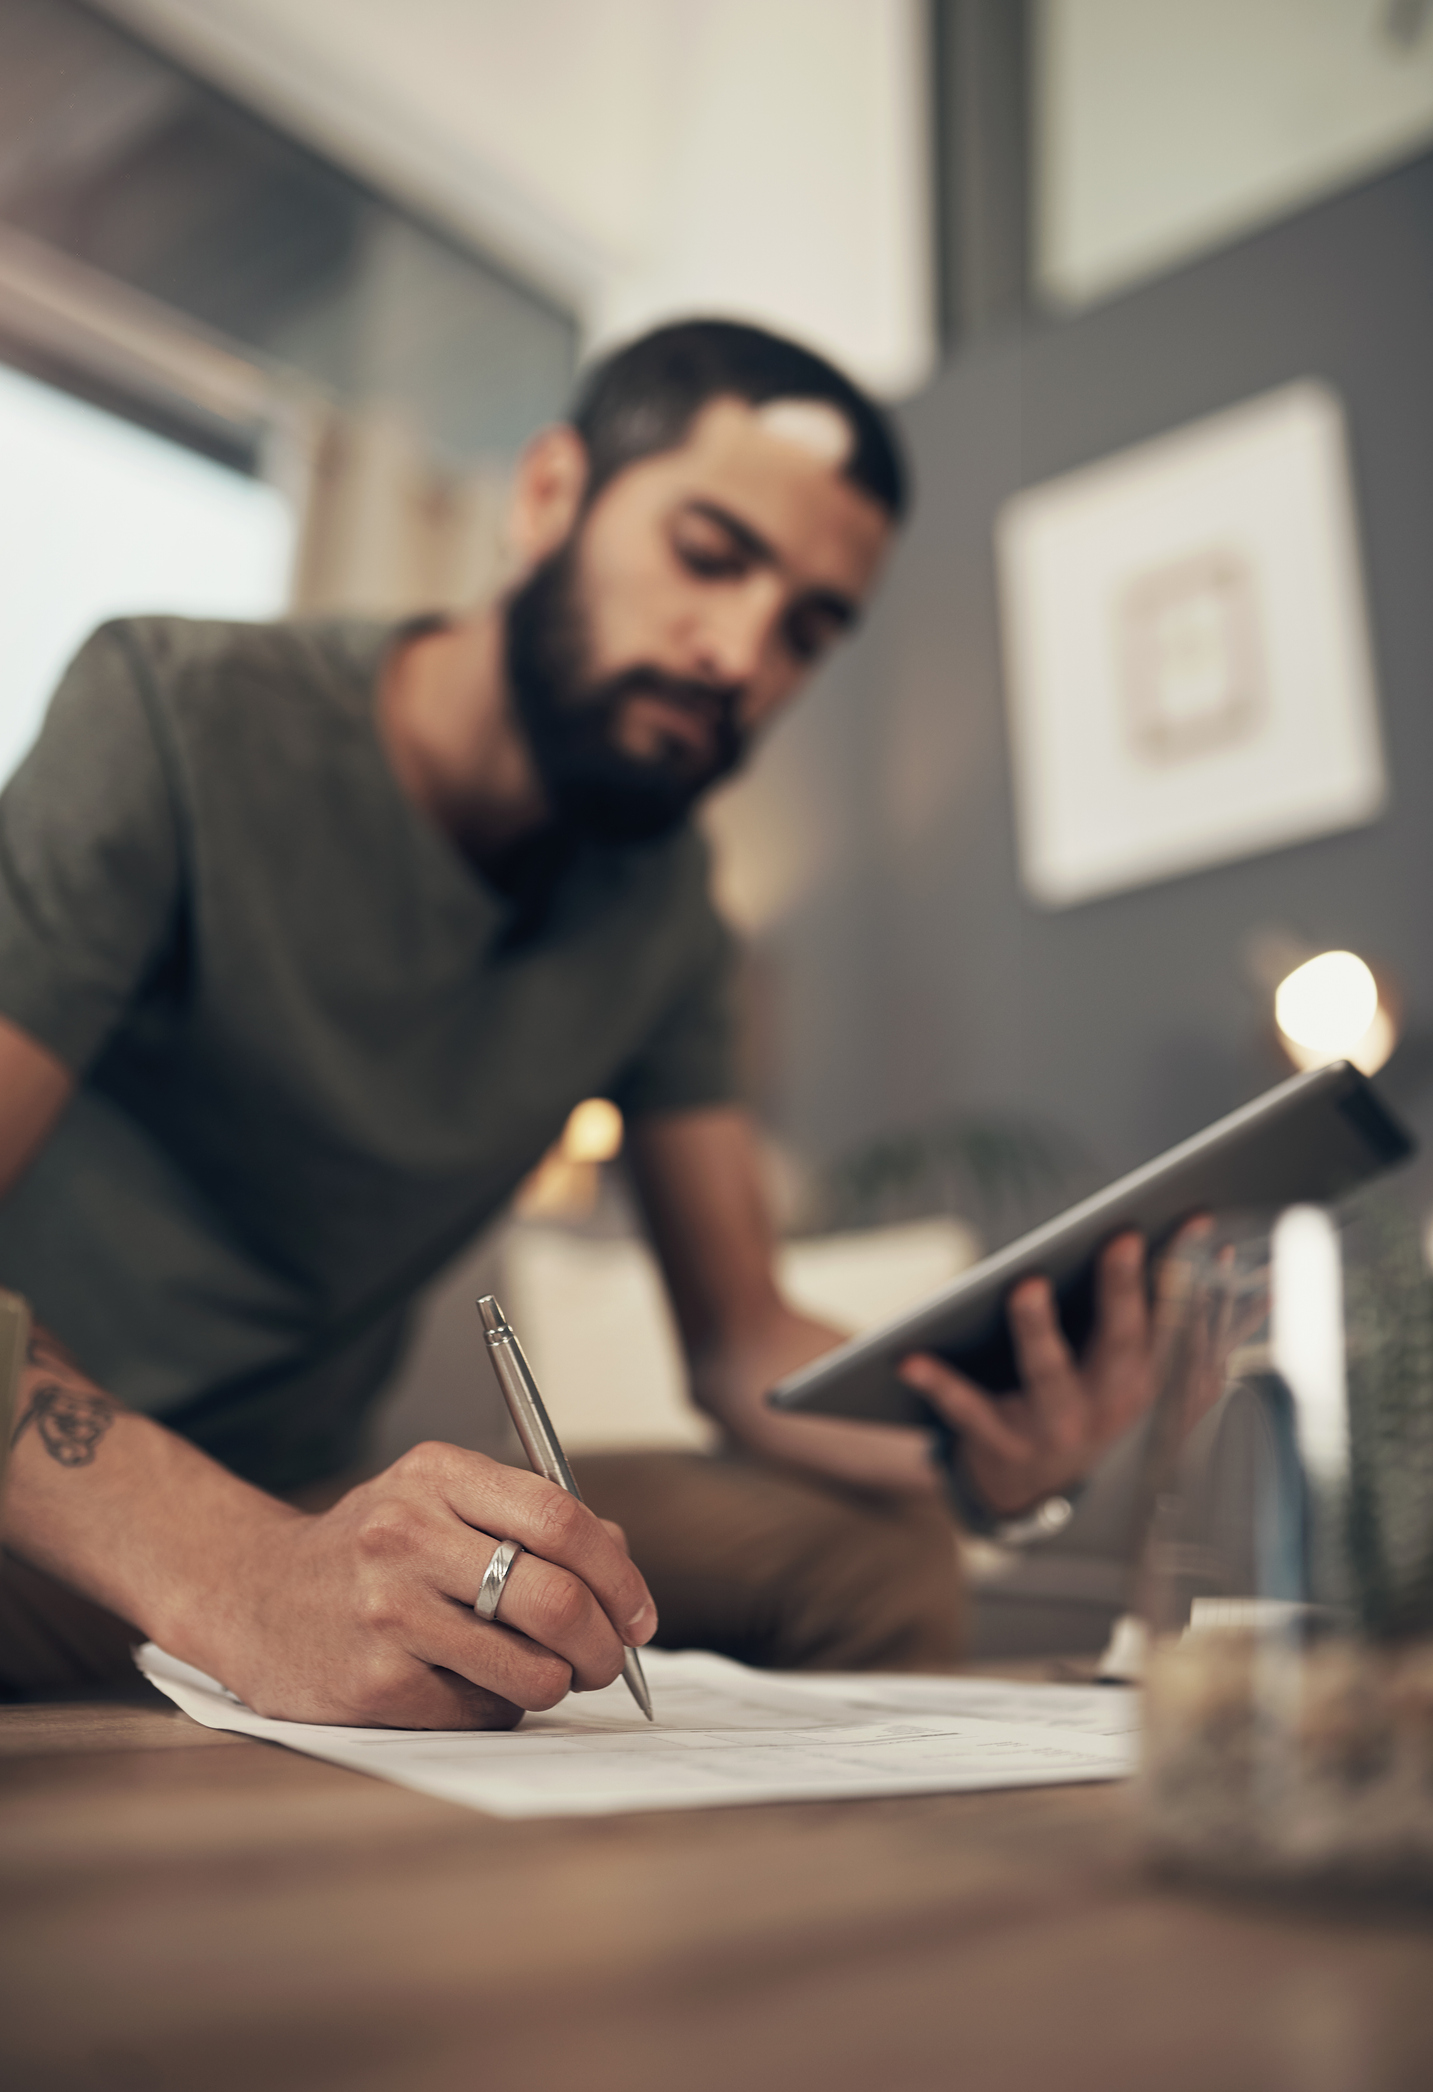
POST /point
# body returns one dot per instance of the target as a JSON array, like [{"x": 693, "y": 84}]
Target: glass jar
[{"x": 1288, "y": 1581}]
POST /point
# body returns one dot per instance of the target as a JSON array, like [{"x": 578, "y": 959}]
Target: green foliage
[
  {"x": 1002, "y": 1174},
  {"x": 1388, "y": 1307}
]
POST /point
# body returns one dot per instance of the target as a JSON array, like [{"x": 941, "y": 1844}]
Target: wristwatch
[{"x": 1041, "y": 1522}]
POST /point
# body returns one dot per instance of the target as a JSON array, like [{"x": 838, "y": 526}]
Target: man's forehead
[
  {"x": 815, "y": 426},
  {"x": 774, "y": 477},
  {"x": 799, "y": 434},
  {"x": 775, "y": 473}
]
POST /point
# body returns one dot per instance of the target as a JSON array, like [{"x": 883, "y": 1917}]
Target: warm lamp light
[
  {"x": 565, "y": 1184},
  {"x": 1328, "y": 1009},
  {"x": 593, "y": 1132}
]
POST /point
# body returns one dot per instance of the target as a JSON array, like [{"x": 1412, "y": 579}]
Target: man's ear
[{"x": 547, "y": 492}]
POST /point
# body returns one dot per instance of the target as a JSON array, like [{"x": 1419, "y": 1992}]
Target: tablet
[{"x": 1314, "y": 1138}]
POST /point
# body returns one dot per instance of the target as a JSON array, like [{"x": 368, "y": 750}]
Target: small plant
[
  {"x": 1388, "y": 1309},
  {"x": 1001, "y": 1174}
]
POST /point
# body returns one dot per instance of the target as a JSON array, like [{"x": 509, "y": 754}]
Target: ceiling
[{"x": 632, "y": 157}]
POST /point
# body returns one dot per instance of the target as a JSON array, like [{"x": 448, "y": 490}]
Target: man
[{"x": 310, "y": 936}]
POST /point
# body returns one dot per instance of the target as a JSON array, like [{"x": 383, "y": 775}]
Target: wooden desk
[{"x": 189, "y": 1912}]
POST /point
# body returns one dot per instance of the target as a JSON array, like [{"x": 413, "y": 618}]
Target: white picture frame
[{"x": 1188, "y": 671}]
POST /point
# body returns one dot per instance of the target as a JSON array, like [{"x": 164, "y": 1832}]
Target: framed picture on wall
[{"x": 1188, "y": 671}]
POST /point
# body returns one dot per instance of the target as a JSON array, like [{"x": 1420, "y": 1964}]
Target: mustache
[
  {"x": 717, "y": 703},
  {"x": 572, "y": 717}
]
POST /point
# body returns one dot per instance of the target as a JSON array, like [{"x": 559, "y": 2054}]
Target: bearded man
[{"x": 311, "y": 935}]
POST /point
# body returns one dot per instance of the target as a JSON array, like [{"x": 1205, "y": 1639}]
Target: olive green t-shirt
[{"x": 317, "y": 1049}]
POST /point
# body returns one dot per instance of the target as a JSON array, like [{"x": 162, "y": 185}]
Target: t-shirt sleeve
[
  {"x": 689, "y": 1058},
  {"x": 89, "y": 857}
]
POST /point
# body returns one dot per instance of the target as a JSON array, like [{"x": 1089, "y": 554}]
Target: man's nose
[{"x": 733, "y": 637}]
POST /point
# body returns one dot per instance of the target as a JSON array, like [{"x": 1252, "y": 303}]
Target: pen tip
[
  {"x": 493, "y": 1317},
  {"x": 636, "y": 1683}
]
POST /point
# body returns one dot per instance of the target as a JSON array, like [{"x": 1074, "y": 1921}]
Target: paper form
[{"x": 724, "y": 1734}]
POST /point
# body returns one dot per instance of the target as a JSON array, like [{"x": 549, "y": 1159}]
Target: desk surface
[{"x": 183, "y": 1911}]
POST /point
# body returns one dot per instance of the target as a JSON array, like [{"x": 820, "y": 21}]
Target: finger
[
  {"x": 1046, "y": 1364},
  {"x": 1248, "y": 1318},
  {"x": 1205, "y": 1298},
  {"x": 1121, "y": 1306},
  {"x": 550, "y": 1524},
  {"x": 400, "y": 1690},
  {"x": 1209, "y": 1354},
  {"x": 963, "y": 1404},
  {"x": 500, "y": 1661},
  {"x": 556, "y": 1612},
  {"x": 1042, "y": 1351},
  {"x": 453, "y": 1702},
  {"x": 1174, "y": 1280},
  {"x": 611, "y": 1526},
  {"x": 1223, "y": 1338},
  {"x": 412, "y": 1553}
]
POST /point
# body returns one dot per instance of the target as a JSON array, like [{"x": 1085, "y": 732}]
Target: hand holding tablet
[
  {"x": 1066, "y": 1410},
  {"x": 1060, "y": 1326}
]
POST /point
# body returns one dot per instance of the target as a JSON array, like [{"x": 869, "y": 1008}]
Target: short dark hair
[{"x": 642, "y": 399}]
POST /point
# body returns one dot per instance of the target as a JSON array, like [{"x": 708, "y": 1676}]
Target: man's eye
[
  {"x": 711, "y": 562},
  {"x": 807, "y": 637}
]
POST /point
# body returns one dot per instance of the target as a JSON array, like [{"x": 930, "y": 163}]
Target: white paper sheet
[{"x": 724, "y": 1734}]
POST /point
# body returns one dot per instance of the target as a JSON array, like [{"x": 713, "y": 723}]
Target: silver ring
[{"x": 495, "y": 1576}]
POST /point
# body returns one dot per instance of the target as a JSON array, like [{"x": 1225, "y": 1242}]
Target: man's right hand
[
  {"x": 360, "y": 1614},
  {"x": 364, "y": 1613}
]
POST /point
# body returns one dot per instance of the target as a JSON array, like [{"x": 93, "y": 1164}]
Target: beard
[{"x": 571, "y": 721}]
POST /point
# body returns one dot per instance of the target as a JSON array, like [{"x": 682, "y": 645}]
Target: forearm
[
  {"x": 362, "y": 1613},
  {"x": 731, "y": 1379},
  {"x": 125, "y": 1512},
  {"x": 700, "y": 1183}
]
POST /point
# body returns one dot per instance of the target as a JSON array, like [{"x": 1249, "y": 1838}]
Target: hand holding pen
[{"x": 545, "y": 1457}]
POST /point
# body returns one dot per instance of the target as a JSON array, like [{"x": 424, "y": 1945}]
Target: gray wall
[{"x": 901, "y": 973}]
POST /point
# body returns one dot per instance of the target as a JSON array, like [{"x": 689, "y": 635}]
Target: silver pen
[{"x": 539, "y": 1441}]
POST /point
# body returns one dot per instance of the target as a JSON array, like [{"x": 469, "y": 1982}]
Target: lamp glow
[
  {"x": 1328, "y": 1009},
  {"x": 593, "y": 1132}
]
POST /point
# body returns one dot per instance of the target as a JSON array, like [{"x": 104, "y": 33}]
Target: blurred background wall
[
  {"x": 346, "y": 256},
  {"x": 636, "y": 158},
  {"x": 872, "y": 854}
]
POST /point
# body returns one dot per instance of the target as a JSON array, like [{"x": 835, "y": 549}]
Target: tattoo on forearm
[{"x": 70, "y": 1421}]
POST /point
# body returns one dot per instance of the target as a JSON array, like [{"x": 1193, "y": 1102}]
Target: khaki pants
[{"x": 765, "y": 1564}]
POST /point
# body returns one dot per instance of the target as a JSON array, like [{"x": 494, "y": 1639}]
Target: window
[
  {"x": 1166, "y": 131},
  {"x": 100, "y": 517},
  {"x": 116, "y": 158}
]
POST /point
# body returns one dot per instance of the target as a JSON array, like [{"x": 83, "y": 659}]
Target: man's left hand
[{"x": 1020, "y": 1447}]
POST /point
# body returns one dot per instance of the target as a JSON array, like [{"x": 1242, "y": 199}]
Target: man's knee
[
  {"x": 876, "y": 1586},
  {"x": 779, "y": 1567}
]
